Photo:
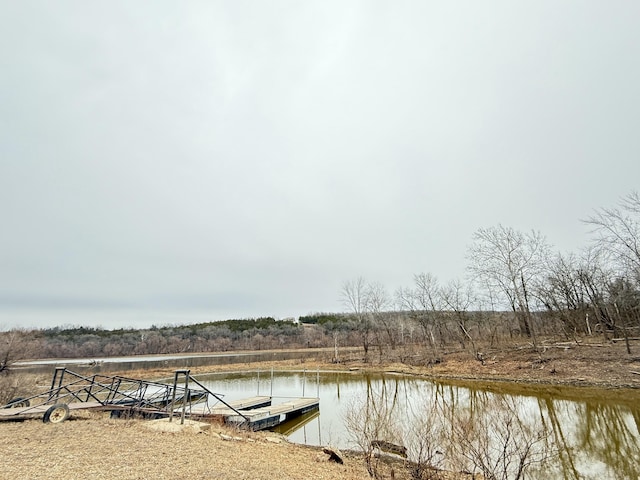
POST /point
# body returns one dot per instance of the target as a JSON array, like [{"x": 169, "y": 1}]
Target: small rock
[
  {"x": 164, "y": 425},
  {"x": 334, "y": 454}
]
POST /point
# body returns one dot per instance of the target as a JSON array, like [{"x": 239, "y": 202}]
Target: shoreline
[
  {"x": 581, "y": 374},
  {"x": 579, "y": 366}
]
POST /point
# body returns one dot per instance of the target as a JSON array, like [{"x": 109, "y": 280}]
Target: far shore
[{"x": 585, "y": 365}]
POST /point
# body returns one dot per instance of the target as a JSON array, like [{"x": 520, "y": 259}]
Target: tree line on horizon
[{"x": 517, "y": 287}]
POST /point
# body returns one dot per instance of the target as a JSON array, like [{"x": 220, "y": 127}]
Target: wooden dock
[
  {"x": 256, "y": 413},
  {"x": 224, "y": 410},
  {"x": 267, "y": 417}
]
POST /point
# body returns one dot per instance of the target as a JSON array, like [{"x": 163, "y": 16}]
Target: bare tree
[
  {"x": 377, "y": 304},
  {"x": 617, "y": 236},
  {"x": 459, "y": 298},
  {"x": 423, "y": 439},
  {"x": 354, "y": 298},
  {"x": 11, "y": 348},
  {"x": 371, "y": 422},
  {"x": 500, "y": 445},
  {"x": 508, "y": 261},
  {"x": 424, "y": 304},
  {"x": 561, "y": 292},
  {"x": 617, "y": 231}
]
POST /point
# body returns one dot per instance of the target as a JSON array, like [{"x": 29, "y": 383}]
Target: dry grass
[
  {"x": 589, "y": 364},
  {"x": 96, "y": 447}
]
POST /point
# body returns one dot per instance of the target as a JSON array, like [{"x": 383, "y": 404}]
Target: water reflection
[
  {"x": 610, "y": 435},
  {"x": 299, "y": 423},
  {"x": 574, "y": 435}
]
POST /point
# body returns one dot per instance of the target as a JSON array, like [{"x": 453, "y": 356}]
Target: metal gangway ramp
[{"x": 71, "y": 391}]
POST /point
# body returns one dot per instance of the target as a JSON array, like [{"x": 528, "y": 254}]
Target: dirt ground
[
  {"x": 97, "y": 447},
  {"x": 588, "y": 364},
  {"x": 91, "y": 445}
]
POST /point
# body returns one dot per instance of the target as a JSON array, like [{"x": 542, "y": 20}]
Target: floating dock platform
[{"x": 272, "y": 415}]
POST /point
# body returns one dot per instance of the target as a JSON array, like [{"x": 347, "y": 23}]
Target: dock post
[
  {"x": 184, "y": 396},
  {"x": 173, "y": 395},
  {"x": 258, "y": 383},
  {"x": 271, "y": 392},
  {"x": 304, "y": 380}
]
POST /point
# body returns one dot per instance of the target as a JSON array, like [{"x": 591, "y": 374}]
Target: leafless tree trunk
[
  {"x": 423, "y": 302},
  {"x": 354, "y": 299},
  {"x": 377, "y": 302},
  {"x": 509, "y": 261},
  {"x": 459, "y": 298},
  {"x": 11, "y": 348},
  {"x": 617, "y": 232}
]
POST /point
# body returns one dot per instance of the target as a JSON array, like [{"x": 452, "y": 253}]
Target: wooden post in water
[{"x": 304, "y": 379}]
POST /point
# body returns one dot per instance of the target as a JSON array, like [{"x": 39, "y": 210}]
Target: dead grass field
[{"x": 95, "y": 447}]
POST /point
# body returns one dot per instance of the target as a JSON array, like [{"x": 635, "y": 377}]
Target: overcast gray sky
[{"x": 244, "y": 158}]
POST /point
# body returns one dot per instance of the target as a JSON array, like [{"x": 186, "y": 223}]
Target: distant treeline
[
  {"x": 232, "y": 325},
  {"x": 323, "y": 318},
  {"x": 390, "y": 333},
  {"x": 517, "y": 289},
  {"x": 65, "y": 342}
]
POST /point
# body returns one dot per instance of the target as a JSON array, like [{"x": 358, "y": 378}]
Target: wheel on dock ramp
[
  {"x": 56, "y": 414},
  {"x": 19, "y": 402}
]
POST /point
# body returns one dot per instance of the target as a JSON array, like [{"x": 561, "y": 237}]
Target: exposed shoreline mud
[{"x": 584, "y": 366}]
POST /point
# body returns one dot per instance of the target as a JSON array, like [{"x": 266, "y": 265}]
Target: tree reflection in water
[
  {"x": 500, "y": 435},
  {"x": 611, "y": 437},
  {"x": 594, "y": 433}
]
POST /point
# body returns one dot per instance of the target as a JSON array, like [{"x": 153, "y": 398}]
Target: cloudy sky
[{"x": 168, "y": 161}]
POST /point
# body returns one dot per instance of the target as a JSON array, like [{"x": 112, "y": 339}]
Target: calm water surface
[{"x": 596, "y": 433}]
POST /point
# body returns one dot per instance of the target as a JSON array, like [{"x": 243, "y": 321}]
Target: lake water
[
  {"x": 181, "y": 361},
  {"x": 572, "y": 433}
]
